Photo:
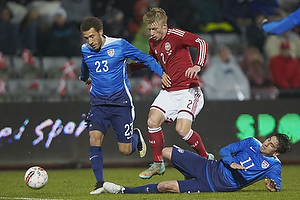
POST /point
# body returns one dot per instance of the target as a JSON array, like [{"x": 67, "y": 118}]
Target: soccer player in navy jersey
[
  {"x": 183, "y": 100},
  {"x": 242, "y": 164},
  {"x": 104, "y": 65}
]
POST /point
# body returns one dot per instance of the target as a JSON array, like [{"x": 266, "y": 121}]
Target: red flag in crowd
[
  {"x": 35, "y": 83},
  {"x": 61, "y": 90},
  {"x": 69, "y": 70},
  {"x": 27, "y": 57},
  {"x": 144, "y": 87},
  {"x": 2, "y": 86},
  {"x": 2, "y": 61}
]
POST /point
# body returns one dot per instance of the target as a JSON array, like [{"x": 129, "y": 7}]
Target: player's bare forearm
[
  {"x": 193, "y": 71},
  {"x": 234, "y": 165},
  {"x": 165, "y": 80}
]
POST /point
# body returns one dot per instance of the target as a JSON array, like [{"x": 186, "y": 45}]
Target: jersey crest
[
  {"x": 111, "y": 52},
  {"x": 265, "y": 164},
  {"x": 168, "y": 48}
]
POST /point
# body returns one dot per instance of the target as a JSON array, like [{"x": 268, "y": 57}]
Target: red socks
[
  {"x": 194, "y": 140},
  {"x": 156, "y": 140}
]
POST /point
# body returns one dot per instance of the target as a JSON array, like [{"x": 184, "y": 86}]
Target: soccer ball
[{"x": 36, "y": 177}]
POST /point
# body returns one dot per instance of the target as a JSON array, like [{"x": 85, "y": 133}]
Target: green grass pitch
[{"x": 76, "y": 184}]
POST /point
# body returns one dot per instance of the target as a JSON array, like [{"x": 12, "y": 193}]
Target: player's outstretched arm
[{"x": 271, "y": 186}]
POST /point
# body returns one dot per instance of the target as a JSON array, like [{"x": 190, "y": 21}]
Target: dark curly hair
[
  {"x": 284, "y": 144},
  {"x": 91, "y": 22}
]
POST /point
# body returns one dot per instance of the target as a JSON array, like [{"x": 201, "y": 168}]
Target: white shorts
[{"x": 179, "y": 104}]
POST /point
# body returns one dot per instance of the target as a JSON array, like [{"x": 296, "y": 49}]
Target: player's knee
[
  {"x": 164, "y": 186},
  {"x": 152, "y": 123},
  {"x": 94, "y": 141},
  {"x": 155, "y": 119},
  {"x": 96, "y": 138},
  {"x": 181, "y": 130},
  {"x": 167, "y": 152},
  {"x": 161, "y": 186},
  {"x": 125, "y": 151}
]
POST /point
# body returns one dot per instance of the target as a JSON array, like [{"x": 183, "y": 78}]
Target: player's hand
[
  {"x": 165, "y": 80},
  {"x": 271, "y": 186},
  {"x": 234, "y": 165},
  {"x": 193, "y": 71},
  {"x": 89, "y": 81}
]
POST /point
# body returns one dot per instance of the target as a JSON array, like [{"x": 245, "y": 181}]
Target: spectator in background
[
  {"x": 224, "y": 79},
  {"x": 238, "y": 13},
  {"x": 256, "y": 37},
  {"x": 114, "y": 22},
  {"x": 64, "y": 37},
  {"x": 141, "y": 34},
  {"x": 285, "y": 69},
  {"x": 10, "y": 41},
  {"x": 272, "y": 44},
  {"x": 255, "y": 67},
  {"x": 140, "y": 8},
  {"x": 112, "y": 17},
  {"x": 28, "y": 30},
  {"x": 116, "y": 15}
]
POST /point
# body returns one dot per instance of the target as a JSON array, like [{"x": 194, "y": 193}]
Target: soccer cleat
[
  {"x": 210, "y": 156},
  {"x": 156, "y": 168},
  {"x": 261, "y": 23},
  {"x": 141, "y": 147},
  {"x": 98, "y": 188},
  {"x": 113, "y": 188}
]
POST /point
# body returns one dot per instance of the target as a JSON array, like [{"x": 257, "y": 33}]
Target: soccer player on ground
[
  {"x": 184, "y": 99},
  {"x": 242, "y": 164},
  {"x": 281, "y": 26},
  {"x": 104, "y": 66}
]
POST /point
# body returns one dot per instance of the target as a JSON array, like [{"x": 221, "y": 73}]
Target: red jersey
[{"x": 174, "y": 56}]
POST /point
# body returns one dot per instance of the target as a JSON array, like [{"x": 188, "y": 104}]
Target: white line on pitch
[{"x": 23, "y": 198}]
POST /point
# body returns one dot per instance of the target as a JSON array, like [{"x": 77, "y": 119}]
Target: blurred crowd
[{"x": 260, "y": 67}]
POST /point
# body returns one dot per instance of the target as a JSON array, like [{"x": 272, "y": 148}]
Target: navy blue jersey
[
  {"x": 107, "y": 68},
  {"x": 247, "y": 153}
]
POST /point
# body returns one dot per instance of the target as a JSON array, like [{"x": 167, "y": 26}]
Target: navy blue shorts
[
  {"x": 120, "y": 117},
  {"x": 207, "y": 174}
]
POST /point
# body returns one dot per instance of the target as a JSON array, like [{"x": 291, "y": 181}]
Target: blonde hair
[{"x": 155, "y": 15}]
